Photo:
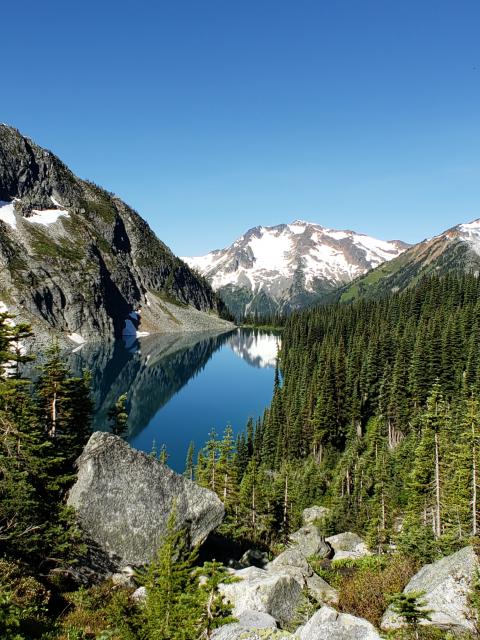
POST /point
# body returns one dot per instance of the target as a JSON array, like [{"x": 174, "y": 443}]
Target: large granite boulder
[
  {"x": 347, "y": 545},
  {"x": 294, "y": 563},
  {"x": 275, "y": 593},
  {"x": 123, "y": 499},
  {"x": 309, "y": 542},
  {"x": 446, "y": 584},
  {"x": 314, "y": 514},
  {"x": 328, "y": 624},
  {"x": 251, "y": 625}
]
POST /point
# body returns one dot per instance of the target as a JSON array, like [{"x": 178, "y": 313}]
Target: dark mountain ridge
[{"x": 76, "y": 259}]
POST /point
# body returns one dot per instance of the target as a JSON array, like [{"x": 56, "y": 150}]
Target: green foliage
[
  {"x": 374, "y": 415},
  {"x": 118, "y": 416},
  {"x": 23, "y": 604},
  {"x": 182, "y": 603},
  {"x": 411, "y": 608}
]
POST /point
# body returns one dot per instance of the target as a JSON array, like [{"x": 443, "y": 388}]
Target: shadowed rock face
[
  {"x": 123, "y": 499},
  {"x": 76, "y": 259}
]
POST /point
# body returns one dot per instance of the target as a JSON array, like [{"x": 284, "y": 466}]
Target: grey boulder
[
  {"x": 275, "y": 593},
  {"x": 252, "y": 558},
  {"x": 314, "y": 514},
  {"x": 328, "y": 624},
  {"x": 251, "y": 625},
  {"x": 309, "y": 542},
  {"x": 294, "y": 563},
  {"x": 123, "y": 499},
  {"x": 445, "y": 584},
  {"x": 348, "y": 545}
]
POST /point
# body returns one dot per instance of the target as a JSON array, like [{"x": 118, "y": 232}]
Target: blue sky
[{"x": 213, "y": 116}]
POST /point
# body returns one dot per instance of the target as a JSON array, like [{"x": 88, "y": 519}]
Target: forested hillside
[{"x": 377, "y": 416}]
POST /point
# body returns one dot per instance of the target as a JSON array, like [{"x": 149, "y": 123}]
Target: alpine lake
[{"x": 180, "y": 387}]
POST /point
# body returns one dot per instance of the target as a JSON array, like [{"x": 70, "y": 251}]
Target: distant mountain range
[
  {"x": 77, "y": 261},
  {"x": 289, "y": 266},
  {"x": 457, "y": 249}
]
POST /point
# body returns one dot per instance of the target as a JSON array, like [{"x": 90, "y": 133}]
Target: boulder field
[{"x": 123, "y": 499}]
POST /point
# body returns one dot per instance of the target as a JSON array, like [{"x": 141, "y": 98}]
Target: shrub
[{"x": 366, "y": 590}]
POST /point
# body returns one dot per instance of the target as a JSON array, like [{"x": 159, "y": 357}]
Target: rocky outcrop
[
  {"x": 445, "y": 584},
  {"x": 314, "y": 514},
  {"x": 77, "y": 261},
  {"x": 347, "y": 545},
  {"x": 328, "y": 624},
  {"x": 272, "y": 592},
  {"x": 123, "y": 498}
]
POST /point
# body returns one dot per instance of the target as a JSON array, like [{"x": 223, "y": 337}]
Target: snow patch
[
  {"x": 471, "y": 234},
  {"x": 7, "y": 214},
  {"x": 3, "y": 307},
  {"x": 55, "y": 202},
  {"x": 77, "y": 338},
  {"x": 47, "y": 216}
]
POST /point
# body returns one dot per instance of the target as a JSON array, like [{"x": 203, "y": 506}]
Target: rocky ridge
[
  {"x": 77, "y": 261},
  {"x": 454, "y": 250}
]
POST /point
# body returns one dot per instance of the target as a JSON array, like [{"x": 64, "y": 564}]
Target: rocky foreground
[{"x": 123, "y": 499}]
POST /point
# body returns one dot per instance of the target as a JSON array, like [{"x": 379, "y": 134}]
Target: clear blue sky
[{"x": 213, "y": 116}]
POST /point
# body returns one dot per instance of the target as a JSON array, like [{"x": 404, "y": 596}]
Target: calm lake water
[{"x": 179, "y": 387}]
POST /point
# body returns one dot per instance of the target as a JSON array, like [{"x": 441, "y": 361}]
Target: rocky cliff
[{"x": 75, "y": 259}]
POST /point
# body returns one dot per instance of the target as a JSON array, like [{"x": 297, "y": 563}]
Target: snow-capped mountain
[
  {"x": 290, "y": 265},
  {"x": 454, "y": 250}
]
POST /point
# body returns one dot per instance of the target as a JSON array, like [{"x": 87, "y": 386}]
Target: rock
[
  {"x": 253, "y": 558},
  {"x": 348, "y": 545},
  {"x": 124, "y": 578},
  {"x": 249, "y": 623},
  {"x": 236, "y": 631},
  {"x": 275, "y": 593},
  {"x": 294, "y": 563},
  {"x": 123, "y": 499},
  {"x": 139, "y": 595},
  {"x": 328, "y": 624},
  {"x": 314, "y": 514},
  {"x": 446, "y": 584},
  {"x": 309, "y": 542}
]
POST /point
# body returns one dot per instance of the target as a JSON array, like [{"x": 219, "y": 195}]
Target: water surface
[{"x": 180, "y": 387}]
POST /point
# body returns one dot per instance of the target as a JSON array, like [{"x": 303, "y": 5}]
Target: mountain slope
[
  {"x": 457, "y": 249},
  {"x": 76, "y": 259},
  {"x": 288, "y": 266}
]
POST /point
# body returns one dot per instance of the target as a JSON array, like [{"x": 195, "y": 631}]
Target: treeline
[{"x": 377, "y": 416}]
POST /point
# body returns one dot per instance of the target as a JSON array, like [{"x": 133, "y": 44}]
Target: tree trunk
[{"x": 437, "y": 488}]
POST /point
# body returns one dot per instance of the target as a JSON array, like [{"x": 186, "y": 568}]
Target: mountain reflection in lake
[{"x": 180, "y": 386}]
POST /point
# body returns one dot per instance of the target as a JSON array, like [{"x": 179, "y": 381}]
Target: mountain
[
  {"x": 77, "y": 261},
  {"x": 289, "y": 266},
  {"x": 457, "y": 249}
]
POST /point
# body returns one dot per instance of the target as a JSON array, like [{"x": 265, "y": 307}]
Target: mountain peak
[{"x": 287, "y": 266}]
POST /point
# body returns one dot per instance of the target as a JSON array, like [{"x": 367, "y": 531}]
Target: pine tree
[{"x": 118, "y": 416}]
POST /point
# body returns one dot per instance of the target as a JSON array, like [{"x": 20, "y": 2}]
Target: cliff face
[{"x": 76, "y": 259}]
